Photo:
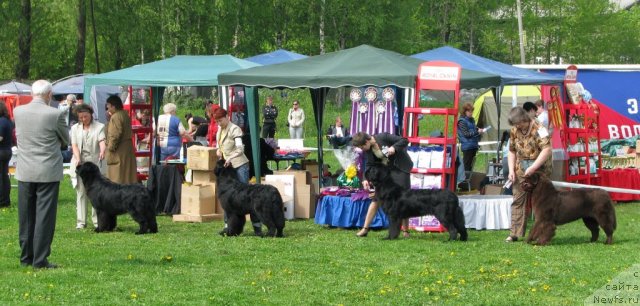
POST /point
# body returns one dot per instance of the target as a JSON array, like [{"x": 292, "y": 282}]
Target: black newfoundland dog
[
  {"x": 552, "y": 207},
  {"x": 239, "y": 199},
  {"x": 111, "y": 199},
  {"x": 399, "y": 203}
]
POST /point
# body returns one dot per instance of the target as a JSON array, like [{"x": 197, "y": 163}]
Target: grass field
[
  {"x": 189, "y": 264},
  {"x": 313, "y": 265}
]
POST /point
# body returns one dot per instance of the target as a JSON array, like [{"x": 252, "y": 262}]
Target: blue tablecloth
[{"x": 343, "y": 212}]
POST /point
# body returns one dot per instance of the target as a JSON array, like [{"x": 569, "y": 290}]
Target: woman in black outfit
[{"x": 6, "y": 137}]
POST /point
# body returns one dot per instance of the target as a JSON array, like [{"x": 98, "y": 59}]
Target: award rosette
[{"x": 355, "y": 95}]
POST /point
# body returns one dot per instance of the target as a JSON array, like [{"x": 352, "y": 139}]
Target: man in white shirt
[{"x": 541, "y": 114}]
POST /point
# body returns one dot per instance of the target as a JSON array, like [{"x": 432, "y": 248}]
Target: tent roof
[
  {"x": 73, "y": 84},
  {"x": 15, "y": 87},
  {"x": 181, "y": 70},
  {"x": 509, "y": 75},
  {"x": 275, "y": 57},
  {"x": 360, "y": 66}
]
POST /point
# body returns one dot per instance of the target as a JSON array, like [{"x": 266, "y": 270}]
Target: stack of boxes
[
  {"x": 198, "y": 201},
  {"x": 304, "y": 205}
]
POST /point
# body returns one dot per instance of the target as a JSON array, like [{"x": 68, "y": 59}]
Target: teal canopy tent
[
  {"x": 360, "y": 66},
  {"x": 181, "y": 70}
]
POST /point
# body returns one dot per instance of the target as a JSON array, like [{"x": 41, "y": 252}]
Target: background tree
[
  {"x": 81, "y": 36},
  {"x": 47, "y": 38}
]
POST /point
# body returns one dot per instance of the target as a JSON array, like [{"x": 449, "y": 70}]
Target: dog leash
[{"x": 610, "y": 189}]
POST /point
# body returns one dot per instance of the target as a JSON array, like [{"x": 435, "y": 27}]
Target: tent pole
[
  {"x": 497, "y": 96},
  {"x": 318, "y": 97},
  {"x": 251, "y": 99},
  {"x": 157, "y": 93}
]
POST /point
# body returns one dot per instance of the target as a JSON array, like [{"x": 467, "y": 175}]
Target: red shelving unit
[
  {"x": 136, "y": 105},
  {"x": 581, "y": 129},
  {"x": 436, "y": 76}
]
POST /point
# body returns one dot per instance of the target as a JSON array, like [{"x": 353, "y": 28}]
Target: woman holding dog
[
  {"x": 231, "y": 149},
  {"x": 87, "y": 144},
  {"x": 529, "y": 152},
  {"x": 388, "y": 149}
]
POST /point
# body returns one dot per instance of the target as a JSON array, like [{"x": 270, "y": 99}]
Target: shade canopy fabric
[
  {"x": 509, "y": 75},
  {"x": 15, "y": 88},
  {"x": 73, "y": 84},
  {"x": 360, "y": 66},
  {"x": 275, "y": 57},
  {"x": 181, "y": 70}
]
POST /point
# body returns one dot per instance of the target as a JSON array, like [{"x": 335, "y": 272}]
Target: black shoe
[
  {"x": 47, "y": 266},
  {"x": 257, "y": 230},
  {"x": 25, "y": 264},
  {"x": 363, "y": 232}
]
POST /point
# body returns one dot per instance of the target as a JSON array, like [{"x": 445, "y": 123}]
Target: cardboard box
[
  {"x": 315, "y": 183},
  {"x": 305, "y": 204},
  {"x": 289, "y": 207},
  {"x": 202, "y": 218},
  {"x": 202, "y": 176},
  {"x": 201, "y": 158},
  {"x": 289, "y": 210},
  {"x": 286, "y": 180},
  {"x": 217, "y": 207},
  {"x": 311, "y": 166},
  {"x": 493, "y": 189},
  {"x": 476, "y": 179},
  {"x": 197, "y": 200},
  {"x": 302, "y": 177}
]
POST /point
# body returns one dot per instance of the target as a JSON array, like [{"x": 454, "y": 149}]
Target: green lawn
[{"x": 313, "y": 265}]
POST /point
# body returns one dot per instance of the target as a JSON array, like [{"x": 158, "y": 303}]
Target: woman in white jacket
[
  {"x": 87, "y": 145},
  {"x": 296, "y": 121}
]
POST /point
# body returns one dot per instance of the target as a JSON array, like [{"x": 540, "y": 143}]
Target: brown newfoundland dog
[{"x": 552, "y": 207}]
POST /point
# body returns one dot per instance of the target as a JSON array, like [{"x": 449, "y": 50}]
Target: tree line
[{"x": 55, "y": 38}]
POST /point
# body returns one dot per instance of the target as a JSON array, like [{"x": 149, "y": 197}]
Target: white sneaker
[{"x": 80, "y": 226}]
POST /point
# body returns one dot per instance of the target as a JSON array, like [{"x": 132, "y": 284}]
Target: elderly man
[{"x": 41, "y": 132}]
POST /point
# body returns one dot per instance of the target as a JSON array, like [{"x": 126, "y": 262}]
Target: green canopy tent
[
  {"x": 181, "y": 70},
  {"x": 360, "y": 66}
]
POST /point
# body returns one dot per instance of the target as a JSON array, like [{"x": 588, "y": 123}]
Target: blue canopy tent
[
  {"x": 74, "y": 84},
  {"x": 275, "y": 57},
  {"x": 509, "y": 75}
]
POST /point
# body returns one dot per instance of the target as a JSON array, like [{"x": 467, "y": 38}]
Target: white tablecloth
[{"x": 486, "y": 211}]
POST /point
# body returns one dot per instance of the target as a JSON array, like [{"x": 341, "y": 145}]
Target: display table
[
  {"x": 621, "y": 178},
  {"x": 288, "y": 157},
  {"x": 342, "y": 211},
  {"x": 490, "y": 212}
]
